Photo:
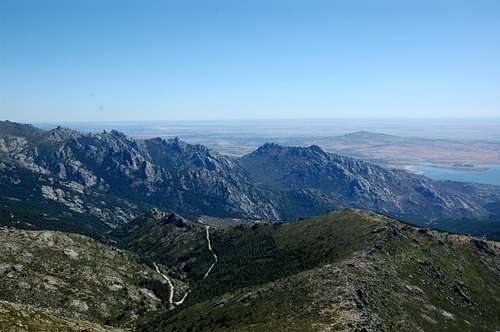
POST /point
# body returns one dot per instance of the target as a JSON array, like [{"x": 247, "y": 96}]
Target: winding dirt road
[
  {"x": 171, "y": 302},
  {"x": 211, "y": 250},
  {"x": 170, "y": 285}
]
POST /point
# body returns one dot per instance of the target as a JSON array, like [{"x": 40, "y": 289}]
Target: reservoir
[{"x": 489, "y": 176}]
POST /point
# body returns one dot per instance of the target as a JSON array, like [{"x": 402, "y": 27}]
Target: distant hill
[{"x": 400, "y": 151}]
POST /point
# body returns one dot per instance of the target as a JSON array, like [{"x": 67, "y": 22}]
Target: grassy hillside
[
  {"x": 15, "y": 317},
  {"x": 343, "y": 271},
  {"x": 349, "y": 270},
  {"x": 259, "y": 253}
]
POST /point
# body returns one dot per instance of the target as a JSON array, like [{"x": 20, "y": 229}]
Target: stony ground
[{"x": 55, "y": 277}]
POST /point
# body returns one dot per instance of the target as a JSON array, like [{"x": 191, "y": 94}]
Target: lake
[{"x": 490, "y": 176}]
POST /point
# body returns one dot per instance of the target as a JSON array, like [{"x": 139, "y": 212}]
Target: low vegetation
[
  {"x": 349, "y": 270},
  {"x": 69, "y": 279},
  {"x": 343, "y": 271}
]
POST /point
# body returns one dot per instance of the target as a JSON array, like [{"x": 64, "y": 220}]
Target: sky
[{"x": 120, "y": 60}]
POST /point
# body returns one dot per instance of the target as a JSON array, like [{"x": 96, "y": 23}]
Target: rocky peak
[
  {"x": 175, "y": 153},
  {"x": 182, "y": 146},
  {"x": 176, "y": 220},
  {"x": 118, "y": 134},
  {"x": 113, "y": 135},
  {"x": 268, "y": 147},
  {"x": 156, "y": 214},
  {"x": 273, "y": 149},
  {"x": 62, "y": 134}
]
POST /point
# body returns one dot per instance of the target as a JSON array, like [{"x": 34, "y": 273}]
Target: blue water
[{"x": 491, "y": 176}]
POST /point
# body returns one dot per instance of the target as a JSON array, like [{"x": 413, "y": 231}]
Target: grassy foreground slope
[
  {"x": 344, "y": 271},
  {"x": 15, "y": 317},
  {"x": 53, "y": 281}
]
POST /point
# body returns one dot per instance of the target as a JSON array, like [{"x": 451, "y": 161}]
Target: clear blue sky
[{"x": 93, "y": 60}]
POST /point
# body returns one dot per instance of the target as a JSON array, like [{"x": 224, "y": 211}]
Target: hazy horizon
[{"x": 444, "y": 128}]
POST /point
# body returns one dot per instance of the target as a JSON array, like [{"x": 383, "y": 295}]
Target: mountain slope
[
  {"x": 25, "y": 318},
  {"x": 113, "y": 177},
  {"x": 349, "y": 270},
  {"x": 344, "y": 271},
  {"x": 169, "y": 239},
  {"x": 329, "y": 180},
  {"x": 54, "y": 280}
]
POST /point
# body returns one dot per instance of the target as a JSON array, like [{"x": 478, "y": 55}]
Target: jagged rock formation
[{"x": 112, "y": 177}]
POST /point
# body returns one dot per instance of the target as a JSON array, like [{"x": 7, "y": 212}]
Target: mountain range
[{"x": 109, "y": 178}]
